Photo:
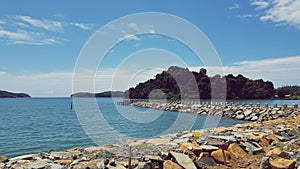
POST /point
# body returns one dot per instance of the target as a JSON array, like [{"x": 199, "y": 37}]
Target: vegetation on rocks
[
  {"x": 293, "y": 91},
  {"x": 178, "y": 83}
]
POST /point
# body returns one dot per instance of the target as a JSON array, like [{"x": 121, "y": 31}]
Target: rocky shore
[
  {"x": 240, "y": 112},
  {"x": 268, "y": 144}
]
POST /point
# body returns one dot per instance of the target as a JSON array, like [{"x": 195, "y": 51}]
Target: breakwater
[{"x": 248, "y": 112}]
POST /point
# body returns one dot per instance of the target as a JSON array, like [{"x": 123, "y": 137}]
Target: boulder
[
  {"x": 272, "y": 137},
  {"x": 186, "y": 146},
  {"x": 263, "y": 142},
  {"x": 74, "y": 149},
  {"x": 183, "y": 160},
  {"x": 208, "y": 148},
  {"x": 218, "y": 156},
  {"x": 64, "y": 162},
  {"x": 171, "y": 165},
  {"x": 206, "y": 160},
  {"x": 281, "y": 163},
  {"x": 240, "y": 117},
  {"x": 3, "y": 159},
  {"x": 274, "y": 152},
  {"x": 247, "y": 112},
  {"x": 254, "y": 118},
  {"x": 197, "y": 134},
  {"x": 225, "y": 138},
  {"x": 236, "y": 150},
  {"x": 265, "y": 163}
]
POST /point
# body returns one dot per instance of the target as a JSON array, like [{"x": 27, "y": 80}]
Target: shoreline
[{"x": 271, "y": 143}]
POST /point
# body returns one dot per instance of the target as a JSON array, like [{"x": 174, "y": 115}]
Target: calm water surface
[{"x": 35, "y": 125}]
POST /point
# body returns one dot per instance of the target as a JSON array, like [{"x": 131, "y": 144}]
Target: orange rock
[
  {"x": 236, "y": 150},
  {"x": 185, "y": 146},
  {"x": 263, "y": 142},
  {"x": 272, "y": 137},
  {"x": 171, "y": 165},
  {"x": 281, "y": 163},
  {"x": 64, "y": 161},
  {"x": 197, "y": 134},
  {"x": 73, "y": 149},
  {"x": 255, "y": 138},
  {"x": 274, "y": 152},
  {"x": 218, "y": 156}
]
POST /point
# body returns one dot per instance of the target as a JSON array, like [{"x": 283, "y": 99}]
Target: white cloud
[
  {"x": 45, "y": 24},
  {"x": 2, "y": 22},
  {"x": 83, "y": 26},
  {"x": 130, "y": 37},
  {"x": 260, "y": 4},
  {"x": 281, "y": 12},
  {"x": 132, "y": 26},
  {"x": 25, "y": 37},
  {"x": 281, "y": 71},
  {"x": 43, "y": 76},
  {"x": 234, "y": 6},
  {"x": 32, "y": 31},
  {"x": 246, "y": 16},
  {"x": 151, "y": 30}
]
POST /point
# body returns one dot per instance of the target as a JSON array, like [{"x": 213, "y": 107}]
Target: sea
[{"x": 33, "y": 125}]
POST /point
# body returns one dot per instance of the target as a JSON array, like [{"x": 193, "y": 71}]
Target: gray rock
[
  {"x": 249, "y": 147},
  {"x": 297, "y": 157},
  {"x": 254, "y": 118},
  {"x": 265, "y": 163},
  {"x": 247, "y": 112},
  {"x": 206, "y": 160},
  {"x": 24, "y": 157},
  {"x": 285, "y": 136},
  {"x": 240, "y": 117},
  {"x": 183, "y": 160},
  {"x": 226, "y": 138},
  {"x": 208, "y": 147},
  {"x": 2, "y": 165}
]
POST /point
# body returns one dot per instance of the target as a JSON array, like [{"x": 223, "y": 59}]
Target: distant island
[
  {"x": 102, "y": 94},
  {"x": 288, "y": 92},
  {"x": 236, "y": 87},
  {"x": 6, "y": 94}
]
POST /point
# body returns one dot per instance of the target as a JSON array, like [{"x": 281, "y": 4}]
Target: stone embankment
[
  {"x": 239, "y": 112},
  {"x": 272, "y": 144}
]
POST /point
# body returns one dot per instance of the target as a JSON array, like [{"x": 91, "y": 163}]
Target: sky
[{"x": 41, "y": 42}]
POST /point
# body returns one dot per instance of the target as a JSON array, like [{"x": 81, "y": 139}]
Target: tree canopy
[{"x": 178, "y": 83}]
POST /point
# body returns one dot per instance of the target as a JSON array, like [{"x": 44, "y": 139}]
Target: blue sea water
[{"x": 32, "y": 125}]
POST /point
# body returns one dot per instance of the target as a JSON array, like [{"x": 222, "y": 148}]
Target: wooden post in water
[{"x": 129, "y": 160}]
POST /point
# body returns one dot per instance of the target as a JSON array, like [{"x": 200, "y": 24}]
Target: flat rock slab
[
  {"x": 226, "y": 138},
  {"x": 208, "y": 147},
  {"x": 183, "y": 160}
]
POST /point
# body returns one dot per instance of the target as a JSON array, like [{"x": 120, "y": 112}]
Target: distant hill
[
  {"x": 6, "y": 94},
  {"x": 102, "y": 94}
]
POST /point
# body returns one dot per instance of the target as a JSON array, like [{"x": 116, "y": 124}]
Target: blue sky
[{"x": 40, "y": 40}]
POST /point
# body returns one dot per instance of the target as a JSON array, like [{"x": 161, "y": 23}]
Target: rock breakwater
[
  {"x": 271, "y": 144},
  {"x": 240, "y": 112}
]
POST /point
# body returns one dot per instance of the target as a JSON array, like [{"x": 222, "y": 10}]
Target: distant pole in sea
[{"x": 71, "y": 106}]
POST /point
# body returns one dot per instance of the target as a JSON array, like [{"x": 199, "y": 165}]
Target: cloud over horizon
[{"x": 281, "y": 71}]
